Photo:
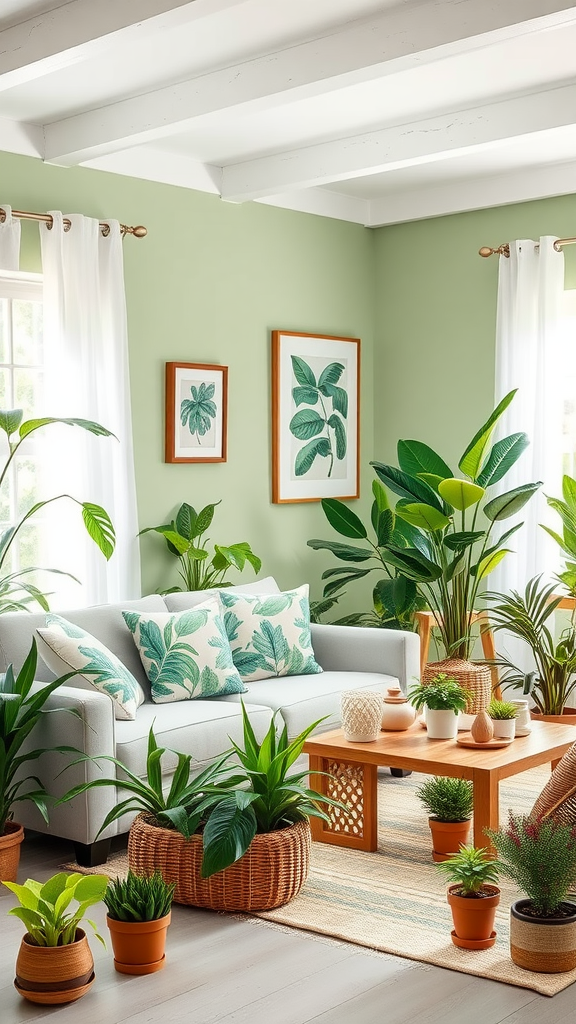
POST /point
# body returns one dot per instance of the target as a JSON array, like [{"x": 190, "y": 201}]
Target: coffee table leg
[
  {"x": 352, "y": 784},
  {"x": 485, "y": 806}
]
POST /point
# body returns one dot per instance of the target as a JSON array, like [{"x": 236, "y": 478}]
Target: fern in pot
[
  {"x": 443, "y": 698},
  {"x": 138, "y": 919},
  {"x": 449, "y": 803}
]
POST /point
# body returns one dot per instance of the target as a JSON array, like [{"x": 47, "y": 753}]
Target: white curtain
[
  {"x": 87, "y": 376},
  {"x": 9, "y": 240},
  {"x": 528, "y": 357}
]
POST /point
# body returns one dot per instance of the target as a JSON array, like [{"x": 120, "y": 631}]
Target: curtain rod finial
[
  {"x": 139, "y": 231},
  {"x": 485, "y": 251}
]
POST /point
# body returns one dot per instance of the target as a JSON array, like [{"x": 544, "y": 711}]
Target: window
[{"x": 22, "y": 387}]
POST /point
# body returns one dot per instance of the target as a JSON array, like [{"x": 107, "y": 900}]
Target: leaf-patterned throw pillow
[
  {"x": 270, "y": 633},
  {"x": 65, "y": 646},
  {"x": 185, "y": 655}
]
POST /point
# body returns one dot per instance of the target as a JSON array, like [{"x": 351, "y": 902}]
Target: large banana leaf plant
[
  {"x": 453, "y": 547},
  {"x": 16, "y": 589}
]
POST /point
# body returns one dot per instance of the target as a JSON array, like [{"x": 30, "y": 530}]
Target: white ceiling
[{"x": 375, "y": 111}]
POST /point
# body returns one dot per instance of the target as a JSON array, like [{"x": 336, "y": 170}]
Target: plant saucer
[
  {"x": 466, "y": 740},
  {"x": 473, "y": 943}
]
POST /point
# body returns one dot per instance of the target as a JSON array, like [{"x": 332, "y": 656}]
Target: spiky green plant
[
  {"x": 501, "y": 710},
  {"x": 471, "y": 868},
  {"x": 539, "y": 855},
  {"x": 139, "y": 897},
  {"x": 447, "y": 799}
]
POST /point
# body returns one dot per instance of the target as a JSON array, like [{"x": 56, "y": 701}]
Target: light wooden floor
[{"x": 225, "y": 971}]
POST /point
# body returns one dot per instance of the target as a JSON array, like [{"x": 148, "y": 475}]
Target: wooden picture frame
[
  {"x": 196, "y": 412},
  {"x": 315, "y": 417}
]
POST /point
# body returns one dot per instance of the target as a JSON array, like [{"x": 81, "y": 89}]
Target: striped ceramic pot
[{"x": 540, "y": 944}]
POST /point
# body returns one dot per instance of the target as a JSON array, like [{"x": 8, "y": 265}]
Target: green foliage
[
  {"x": 274, "y": 796},
  {"x": 198, "y": 411},
  {"x": 139, "y": 897},
  {"x": 539, "y": 855},
  {"x": 16, "y": 591},
  {"x": 448, "y": 550},
  {"x": 442, "y": 693},
  {"x": 325, "y": 431},
  {"x": 395, "y": 598},
  {"x": 45, "y": 908},
  {"x": 526, "y": 616},
  {"x": 501, "y": 710},
  {"x": 447, "y": 799},
  {"x": 471, "y": 868},
  {"x": 185, "y": 539},
  {"x": 20, "y": 710}
]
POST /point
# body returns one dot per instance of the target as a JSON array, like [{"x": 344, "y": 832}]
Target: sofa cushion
[
  {"x": 202, "y": 728},
  {"x": 104, "y": 621},
  {"x": 186, "y": 655},
  {"x": 182, "y": 600},
  {"x": 302, "y": 700},
  {"x": 270, "y": 633},
  {"x": 65, "y": 646}
]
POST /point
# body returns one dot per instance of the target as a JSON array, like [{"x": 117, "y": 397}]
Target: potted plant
[
  {"x": 55, "y": 964},
  {"x": 16, "y": 592},
  {"x": 473, "y": 896},
  {"x": 443, "y": 698},
  {"x": 394, "y": 597},
  {"x": 527, "y": 616},
  {"x": 449, "y": 547},
  {"x": 235, "y": 837},
  {"x": 138, "y": 919},
  {"x": 185, "y": 538},
  {"x": 503, "y": 714},
  {"x": 449, "y": 803},
  {"x": 21, "y": 707},
  {"x": 539, "y": 855}
]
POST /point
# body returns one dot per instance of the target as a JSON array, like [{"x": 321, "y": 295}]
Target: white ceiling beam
[
  {"x": 82, "y": 29},
  {"x": 19, "y": 137},
  {"x": 405, "y": 145},
  {"x": 455, "y": 196},
  {"x": 155, "y": 164},
  {"x": 397, "y": 39},
  {"x": 324, "y": 203}
]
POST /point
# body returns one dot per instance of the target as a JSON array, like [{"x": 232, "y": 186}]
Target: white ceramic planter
[
  {"x": 504, "y": 729},
  {"x": 441, "y": 725}
]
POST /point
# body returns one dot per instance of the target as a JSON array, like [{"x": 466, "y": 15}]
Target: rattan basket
[
  {"x": 271, "y": 872},
  {"x": 558, "y": 798},
  {"x": 473, "y": 677}
]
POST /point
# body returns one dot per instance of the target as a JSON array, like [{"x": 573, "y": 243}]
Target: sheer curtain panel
[
  {"x": 87, "y": 376},
  {"x": 9, "y": 241}
]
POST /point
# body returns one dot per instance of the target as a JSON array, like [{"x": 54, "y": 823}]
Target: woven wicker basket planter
[
  {"x": 271, "y": 872},
  {"x": 473, "y": 677},
  {"x": 10, "y": 843},
  {"x": 540, "y": 944},
  {"x": 52, "y": 975}
]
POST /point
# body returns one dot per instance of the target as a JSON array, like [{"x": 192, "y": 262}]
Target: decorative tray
[{"x": 466, "y": 741}]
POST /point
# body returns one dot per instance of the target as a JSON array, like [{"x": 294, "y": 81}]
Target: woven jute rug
[{"x": 394, "y": 900}]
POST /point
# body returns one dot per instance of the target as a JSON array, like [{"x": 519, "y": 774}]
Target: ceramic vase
[{"x": 398, "y": 714}]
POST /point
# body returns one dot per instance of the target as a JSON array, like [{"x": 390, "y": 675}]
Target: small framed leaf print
[
  {"x": 315, "y": 417},
  {"x": 196, "y": 408}
]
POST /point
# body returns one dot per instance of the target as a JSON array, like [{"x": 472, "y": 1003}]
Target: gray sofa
[{"x": 350, "y": 657}]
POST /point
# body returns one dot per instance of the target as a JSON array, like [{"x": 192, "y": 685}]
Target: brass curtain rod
[
  {"x": 504, "y": 249},
  {"x": 139, "y": 231}
]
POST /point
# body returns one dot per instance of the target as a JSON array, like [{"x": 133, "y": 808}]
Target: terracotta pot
[
  {"x": 271, "y": 872},
  {"x": 474, "y": 918},
  {"x": 568, "y": 717},
  {"x": 10, "y": 843},
  {"x": 139, "y": 945},
  {"x": 542, "y": 944},
  {"x": 447, "y": 837},
  {"x": 473, "y": 677},
  {"x": 54, "y": 974}
]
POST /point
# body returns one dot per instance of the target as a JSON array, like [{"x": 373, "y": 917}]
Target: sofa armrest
[
  {"x": 90, "y": 729},
  {"x": 364, "y": 649}
]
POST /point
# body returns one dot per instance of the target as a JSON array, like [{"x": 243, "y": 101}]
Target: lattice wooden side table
[{"x": 355, "y": 785}]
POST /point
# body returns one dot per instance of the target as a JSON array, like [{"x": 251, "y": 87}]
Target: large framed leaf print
[
  {"x": 315, "y": 417},
  {"x": 196, "y": 408}
]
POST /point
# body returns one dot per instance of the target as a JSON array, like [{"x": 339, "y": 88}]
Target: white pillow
[
  {"x": 270, "y": 633},
  {"x": 186, "y": 655},
  {"x": 65, "y": 646}
]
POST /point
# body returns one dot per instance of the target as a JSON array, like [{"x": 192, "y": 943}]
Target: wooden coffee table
[{"x": 355, "y": 770}]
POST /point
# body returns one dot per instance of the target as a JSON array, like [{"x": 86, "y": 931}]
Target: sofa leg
[
  {"x": 91, "y": 854},
  {"x": 398, "y": 773}
]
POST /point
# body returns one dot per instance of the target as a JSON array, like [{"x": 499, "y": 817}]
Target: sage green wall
[
  {"x": 207, "y": 285},
  {"x": 436, "y": 320}
]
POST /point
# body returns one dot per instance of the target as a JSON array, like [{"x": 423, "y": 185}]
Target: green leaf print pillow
[
  {"x": 270, "y": 633},
  {"x": 64, "y": 646},
  {"x": 186, "y": 654}
]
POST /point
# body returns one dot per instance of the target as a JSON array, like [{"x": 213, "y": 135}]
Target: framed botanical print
[
  {"x": 196, "y": 412},
  {"x": 315, "y": 417}
]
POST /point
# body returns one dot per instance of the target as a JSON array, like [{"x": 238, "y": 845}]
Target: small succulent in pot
[
  {"x": 139, "y": 897},
  {"x": 473, "y": 896},
  {"x": 138, "y": 919},
  {"x": 503, "y": 714}
]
